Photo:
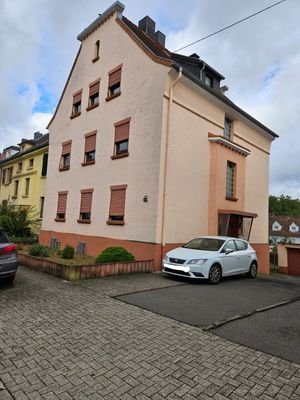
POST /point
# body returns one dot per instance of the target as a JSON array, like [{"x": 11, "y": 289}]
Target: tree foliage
[
  {"x": 17, "y": 220},
  {"x": 284, "y": 205}
]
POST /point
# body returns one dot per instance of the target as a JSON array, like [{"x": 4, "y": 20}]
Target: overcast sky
[{"x": 260, "y": 59}]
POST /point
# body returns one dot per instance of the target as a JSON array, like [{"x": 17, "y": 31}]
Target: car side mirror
[{"x": 228, "y": 251}]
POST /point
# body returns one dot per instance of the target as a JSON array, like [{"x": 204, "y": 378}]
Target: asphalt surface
[
  {"x": 275, "y": 331},
  {"x": 249, "y": 312}
]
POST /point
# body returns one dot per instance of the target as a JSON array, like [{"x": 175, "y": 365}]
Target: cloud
[{"x": 258, "y": 57}]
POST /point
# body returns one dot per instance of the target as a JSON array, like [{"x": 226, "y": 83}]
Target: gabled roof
[
  {"x": 162, "y": 55},
  {"x": 37, "y": 144},
  {"x": 285, "y": 221}
]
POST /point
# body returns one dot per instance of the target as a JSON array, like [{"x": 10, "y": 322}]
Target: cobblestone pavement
[{"x": 64, "y": 341}]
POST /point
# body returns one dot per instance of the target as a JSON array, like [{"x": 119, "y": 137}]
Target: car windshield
[
  {"x": 3, "y": 237},
  {"x": 208, "y": 244}
]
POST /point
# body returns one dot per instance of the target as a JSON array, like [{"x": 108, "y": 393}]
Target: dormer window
[
  {"x": 96, "y": 51},
  {"x": 276, "y": 226},
  {"x": 228, "y": 128},
  {"x": 294, "y": 228},
  {"x": 209, "y": 81}
]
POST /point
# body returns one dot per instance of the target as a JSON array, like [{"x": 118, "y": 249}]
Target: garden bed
[{"x": 73, "y": 270}]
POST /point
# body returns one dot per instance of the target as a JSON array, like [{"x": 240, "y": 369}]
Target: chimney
[
  {"x": 37, "y": 135},
  {"x": 148, "y": 26},
  {"x": 160, "y": 38}
]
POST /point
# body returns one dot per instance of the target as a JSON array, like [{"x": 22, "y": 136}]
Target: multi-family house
[
  {"x": 147, "y": 151},
  {"x": 23, "y": 172}
]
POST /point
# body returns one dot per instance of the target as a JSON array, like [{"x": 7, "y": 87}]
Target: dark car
[{"x": 8, "y": 258}]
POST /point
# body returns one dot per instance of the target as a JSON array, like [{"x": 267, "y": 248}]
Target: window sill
[
  {"x": 19, "y": 171},
  {"x": 15, "y": 197},
  {"x": 64, "y": 168},
  {"x": 92, "y": 107},
  {"x": 84, "y": 221},
  {"x": 231, "y": 198},
  {"x": 121, "y": 155},
  {"x": 72, "y": 116},
  {"x": 84, "y": 164},
  {"x": 29, "y": 168},
  {"x": 95, "y": 59},
  {"x": 108, "y": 98},
  {"x": 115, "y": 222},
  {"x": 25, "y": 196},
  {"x": 59, "y": 219},
  {"x": 43, "y": 176}
]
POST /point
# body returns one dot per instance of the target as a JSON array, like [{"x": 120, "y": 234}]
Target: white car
[{"x": 212, "y": 257}]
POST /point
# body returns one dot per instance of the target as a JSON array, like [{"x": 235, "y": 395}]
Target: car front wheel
[
  {"x": 252, "y": 270},
  {"x": 215, "y": 274}
]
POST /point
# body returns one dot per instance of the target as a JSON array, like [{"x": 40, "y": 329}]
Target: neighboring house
[
  {"x": 284, "y": 229},
  {"x": 147, "y": 152},
  {"x": 23, "y": 173}
]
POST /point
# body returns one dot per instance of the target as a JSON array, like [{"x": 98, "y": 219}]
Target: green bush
[
  {"x": 114, "y": 254},
  {"x": 68, "y": 252},
  {"x": 38, "y": 250}
]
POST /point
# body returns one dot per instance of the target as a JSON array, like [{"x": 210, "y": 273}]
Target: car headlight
[
  {"x": 197, "y": 261},
  {"x": 166, "y": 259}
]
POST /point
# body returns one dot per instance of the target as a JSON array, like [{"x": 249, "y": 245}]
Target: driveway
[
  {"x": 258, "y": 313},
  {"x": 62, "y": 341}
]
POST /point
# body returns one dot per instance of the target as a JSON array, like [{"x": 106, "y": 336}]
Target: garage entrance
[{"x": 293, "y": 261}]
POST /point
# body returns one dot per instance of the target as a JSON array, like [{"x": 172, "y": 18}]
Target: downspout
[
  {"x": 163, "y": 233},
  {"x": 201, "y": 70}
]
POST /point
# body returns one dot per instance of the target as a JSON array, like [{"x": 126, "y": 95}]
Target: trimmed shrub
[
  {"x": 114, "y": 254},
  {"x": 38, "y": 250},
  {"x": 68, "y": 252}
]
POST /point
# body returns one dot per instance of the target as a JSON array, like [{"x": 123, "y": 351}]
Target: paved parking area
[
  {"x": 271, "y": 308},
  {"x": 64, "y": 341}
]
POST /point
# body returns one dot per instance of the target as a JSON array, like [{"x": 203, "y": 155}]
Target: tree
[{"x": 284, "y": 205}]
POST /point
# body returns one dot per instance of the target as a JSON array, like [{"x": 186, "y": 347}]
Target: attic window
[
  {"x": 76, "y": 108},
  {"x": 114, "y": 83},
  {"x": 209, "y": 81},
  {"x": 276, "y": 226},
  {"x": 96, "y": 51},
  {"x": 294, "y": 228}
]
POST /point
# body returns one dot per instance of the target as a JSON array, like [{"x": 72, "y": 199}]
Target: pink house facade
[{"x": 147, "y": 152}]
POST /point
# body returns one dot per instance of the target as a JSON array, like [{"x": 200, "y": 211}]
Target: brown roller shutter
[
  {"x": 62, "y": 203},
  {"x": 86, "y": 201},
  {"x": 94, "y": 88},
  {"x": 90, "y": 143},
  {"x": 117, "y": 202},
  {"x": 114, "y": 77},
  {"x": 122, "y": 132},
  {"x": 77, "y": 97},
  {"x": 66, "y": 148}
]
